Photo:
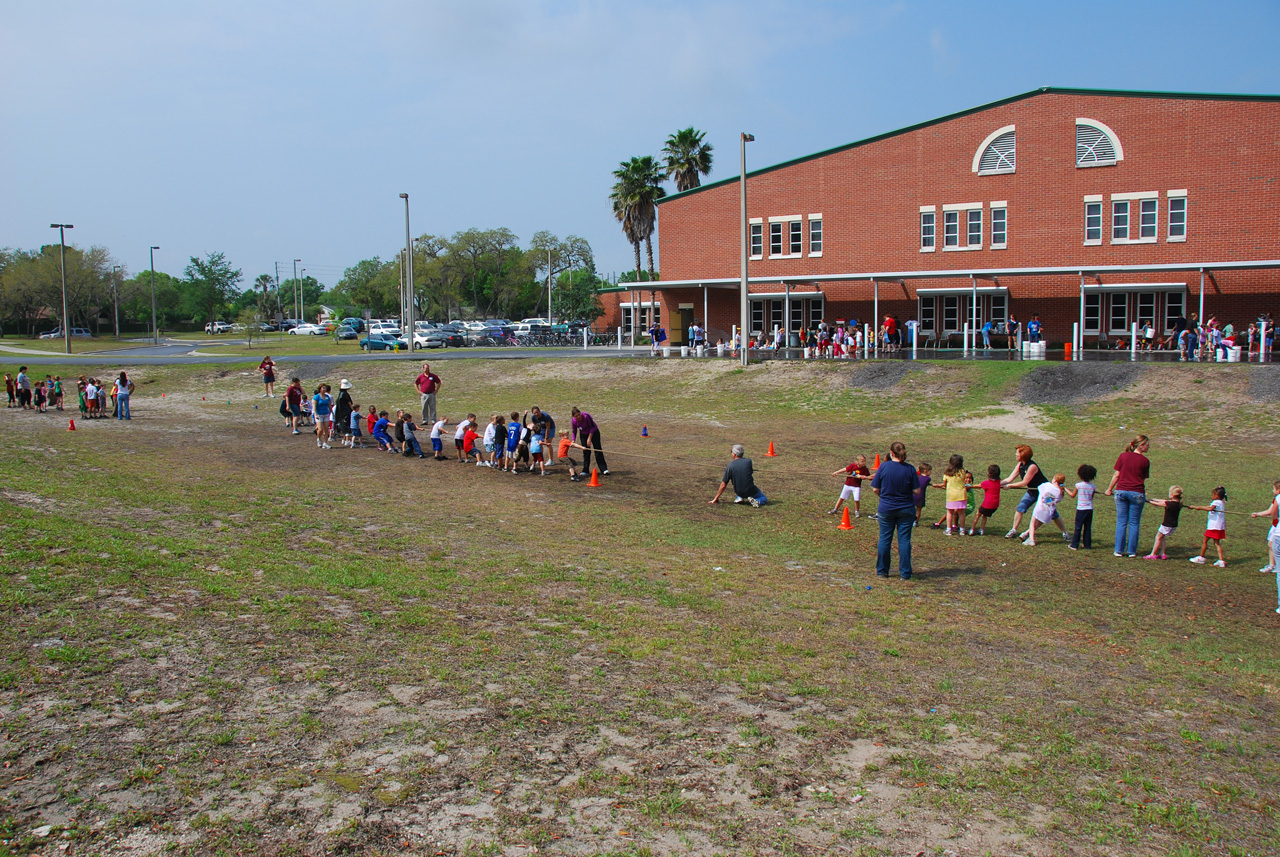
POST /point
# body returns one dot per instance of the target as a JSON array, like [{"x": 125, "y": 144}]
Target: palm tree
[
  {"x": 687, "y": 157},
  {"x": 635, "y": 195}
]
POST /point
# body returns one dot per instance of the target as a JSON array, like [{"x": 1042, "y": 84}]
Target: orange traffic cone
[
  {"x": 595, "y": 478},
  {"x": 845, "y": 523},
  {"x": 71, "y": 425},
  {"x": 771, "y": 453},
  {"x": 877, "y": 464}
]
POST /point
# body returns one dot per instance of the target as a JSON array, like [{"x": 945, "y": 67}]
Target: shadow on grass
[{"x": 950, "y": 572}]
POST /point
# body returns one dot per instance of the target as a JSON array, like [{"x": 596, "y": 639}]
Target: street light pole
[
  {"x": 155, "y": 331},
  {"x": 62, "y": 243},
  {"x": 302, "y": 299},
  {"x": 115, "y": 296},
  {"x": 296, "y": 290},
  {"x": 746, "y": 238},
  {"x": 408, "y": 270}
]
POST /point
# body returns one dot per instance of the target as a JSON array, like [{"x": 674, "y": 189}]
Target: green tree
[
  {"x": 578, "y": 295},
  {"x": 211, "y": 284},
  {"x": 31, "y": 284},
  {"x": 635, "y": 277},
  {"x": 547, "y": 253},
  {"x": 635, "y": 195},
  {"x": 686, "y": 158},
  {"x": 372, "y": 284}
]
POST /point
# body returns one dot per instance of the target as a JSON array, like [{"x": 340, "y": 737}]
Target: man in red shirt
[{"x": 428, "y": 385}]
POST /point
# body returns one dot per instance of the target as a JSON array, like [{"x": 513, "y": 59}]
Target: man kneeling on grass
[{"x": 739, "y": 472}]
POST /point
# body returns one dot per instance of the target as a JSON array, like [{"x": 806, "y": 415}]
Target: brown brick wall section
[{"x": 1226, "y": 154}]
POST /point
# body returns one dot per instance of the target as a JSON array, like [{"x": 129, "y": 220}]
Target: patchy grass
[{"x": 223, "y": 640}]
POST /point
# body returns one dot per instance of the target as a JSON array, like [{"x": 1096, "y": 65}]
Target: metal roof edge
[{"x": 1044, "y": 90}]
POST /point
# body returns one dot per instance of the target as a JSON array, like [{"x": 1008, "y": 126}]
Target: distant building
[{"x": 1117, "y": 207}]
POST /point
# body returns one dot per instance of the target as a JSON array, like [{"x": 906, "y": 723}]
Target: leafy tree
[
  {"x": 372, "y": 283},
  {"x": 687, "y": 157},
  {"x": 578, "y": 296},
  {"x": 548, "y": 253},
  {"x": 31, "y": 283},
  {"x": 211, "y": 284},
  {"x": 635, "y": 195},
  {"x": 631, "y": 277}
]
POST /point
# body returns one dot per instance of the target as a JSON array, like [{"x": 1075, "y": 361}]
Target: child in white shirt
[
  {"x": 437, "y": 445},
  {"x": 1216, "y": 530},
  {"x": 1046, "y": 506},
  {"x": 1083, "y": 492}
]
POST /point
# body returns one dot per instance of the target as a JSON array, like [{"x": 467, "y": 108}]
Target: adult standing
[
  {"x": 1011, "y": 330},
  {"x": 342, "y": 412},
  {"x": 428, "y": 384},
  {"x": 584, "y": 428},
  {"x": 268, "y": 369},
  {"x": 741, "y": 474},
  {"x": 124, "y": 390},
  {"x": 1026, "y": 474},
  {"x": 1129, "y": 487},
  {"x": 293, "y": 396},
  {"x": 1033, "y": 329},
  {"x": 895, "y": 483},
  {"x": 24, "y": 388},
  {"x": 547, "y": 423}
]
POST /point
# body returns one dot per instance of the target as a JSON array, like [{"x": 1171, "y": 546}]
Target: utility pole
[{"x": 115, "y": 296}]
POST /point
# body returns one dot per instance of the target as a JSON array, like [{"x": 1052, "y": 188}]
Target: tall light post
[
  {"x": 115, "y": 297},
  {"x": 302, "y": 298},
  {"x": 551, "y": 316},
  {"x": 62, "y": 243},
  {"x": 408, "y": 270},
  {"x": 296, "y": 291},
  {"x": 746, "y": 238},
  {"x": 155, "y": 331}
]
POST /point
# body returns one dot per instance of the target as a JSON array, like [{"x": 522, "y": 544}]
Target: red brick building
[{"x": 1120, "y": 207}]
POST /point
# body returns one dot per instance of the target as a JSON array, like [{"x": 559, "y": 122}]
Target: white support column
[
  {"x": 964, "y": 343},
  {"x": 915, "y": 340},
  {"x": 1202, "y": 295},
  {"x": 866, "y": 341},
  {"x": 973, "y": 311},
  {"x": 1081, "y": 322},
  {"x": 1262, "y": 342},
  {"x": 875, "y": 314},
  {"x": 585, "y": 334},
  {"x": 1075, "y": 340},
  {"x": 1133, "y": 341},
  {"x": 619, "y": 337}
]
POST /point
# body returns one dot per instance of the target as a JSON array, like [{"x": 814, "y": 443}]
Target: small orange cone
[
  {"x": 771, "y": 453},
  {"x": 877, "y": 464},
  {"x": 71, "y": 426},
  {"x": 845, "y": 523},
  {"x": 595, "y": 478}
]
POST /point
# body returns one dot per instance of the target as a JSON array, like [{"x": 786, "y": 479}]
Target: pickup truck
[{"x": 216, "y": 327}]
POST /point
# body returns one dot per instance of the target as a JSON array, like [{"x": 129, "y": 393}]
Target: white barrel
[
  {"x": 666, "y": 351},
  {"x": 1235, "y": 354},
  {"x": 684, "y": 351},
  {"x": 702, "y": 351}
]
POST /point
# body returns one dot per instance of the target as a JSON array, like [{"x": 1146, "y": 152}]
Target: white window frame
[
  {"x": 1002, "y": 208},
  {"x": 1143, "y": 319},
  {"x": 982, "y": 150},
  {"x": 815, "y": 234},
  {"x": 797, "y": 314},
  {"x": 1123, "y": 301},
  {"x": 1091, "y": 201},
  {"x": 928, "y": 228},
  {"x": 1148, "y": 220},
  {"x": 757, "y": 238},
  {"x": 795, "y": 238},
  {"x": 1127, "y": 199},
  {"x": 973, "y": 227},
  {"x": 1118, "y": 205},
  {"x": 1178, "y": 196},
  {"x": 952, "y": 309},
  {"x": 816, "y": 309},
  {"x": 1092, "y": 312},
  {"x": 788, "y": 236},
  {"x": 777, "y": 314},
  {"x": 951, "y": 213},
  {"x": 1115, "y": 143},
  {"x": 775, "y": 239},
  {"x": 757, "y": 316},
  {"x": 928, "y": 313},
  {"x": 1172, "y": 301},
  {"x": 1001, "y": 315}
]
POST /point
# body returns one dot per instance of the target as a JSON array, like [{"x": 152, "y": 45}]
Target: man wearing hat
[
  {"x": 428, "y": 385},
  {"x": 342, "y": 412}
]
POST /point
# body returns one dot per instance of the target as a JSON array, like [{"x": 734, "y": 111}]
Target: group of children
[
  {"x": 958, "y": 483},
  {"x": 98, "y": 398}
]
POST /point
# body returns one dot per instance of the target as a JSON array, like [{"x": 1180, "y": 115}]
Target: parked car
[
  {"x": 454, "y": 336},
  {"x": 384, "y": 327},
  {"x": 216, "y": 327},
  {"x": 56, "y": 333},
  {"x": 356, "y": 324},
  {"x": 289, "y": 324},
  {"x": 383, "y": 342},
  {"x": 267, "y": 327},
  {"x": 308, "y": 330},
  {"x": 484, "y": 331},
  {"x": 534, "y": 322},
  {"x": 430, "y": 339},
  {"x": 346, "y": 332}
]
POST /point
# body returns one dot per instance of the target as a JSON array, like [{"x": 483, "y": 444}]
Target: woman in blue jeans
[
  {"x": 124, "y": 389},
  {"x": 1129, "y": 487},
  {"x": 895, "y": 484}
]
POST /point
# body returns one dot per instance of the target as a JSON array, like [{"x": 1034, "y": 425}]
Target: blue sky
[{"x": 274, "y": 131}]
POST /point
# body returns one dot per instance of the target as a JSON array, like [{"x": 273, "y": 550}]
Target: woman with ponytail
[{"x": 1129, "y": 487}]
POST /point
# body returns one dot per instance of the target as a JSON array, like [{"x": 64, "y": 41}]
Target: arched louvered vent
[
  {"x": 1000, "y": 156},
  {"x": 1096, "y": 146}
]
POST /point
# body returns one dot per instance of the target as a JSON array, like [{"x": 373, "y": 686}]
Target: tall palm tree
[
  {"x": 635, "y": 195},
  {"x": 687, "y": 157}
]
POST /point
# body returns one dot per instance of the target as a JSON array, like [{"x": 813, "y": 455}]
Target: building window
[
  {"x": 1093, "y": 223},
  {"x": 950, "y": 313},
  {"x": 1177, "y": 218},
  {"x": 1120, "y": 220},
  {"x": 1119, "y": 317},
  {"x": 757, "y": 240},
  {"x": 775, "y": 239},
  {"x": 1174, "y": 307},
  {"x": 950, "y": 229},
  {"x": 1092, "y": 312},
  {"x": 815, "y": 236},
  {"x": 1147, "y": 215},
  {"x": 797, "y": 314},
  {"x": 757, "y": 316},
  {"x": 1096, "y": 145},
  {"x": 1146, "y": 310},
  {"x": 815, "y": 311},
  {"x": 928, "y": 229},
  {"x": 626, "y": 320},
  {"x": 797, "y": 231},
  {"x": 927, "y": 316},
  {"x": 775, "y": 314},
  {"x": 999, "y": 227},
  {"x": 998, "y": 154},
  {"x": 999, "y": 309},
  {"x": 975, "y": 227}
]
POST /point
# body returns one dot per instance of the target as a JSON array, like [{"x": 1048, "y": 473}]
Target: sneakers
[
  {"x": 325, "y": 446},
  {"x": 1030, "y": 543},
  {"x": 947, "y": 532},
  {"x": 755, "y": 502},
  {"x": 604, "y": 472},
  {"x": 1013, "y": 533},
  {"x": 1066, "y": 538},
  {"x": 1072, "y": 547},
  {"x": 1198, "y": 560},
  {"x": 857, "y": 514},
  {"x": 1267, "y": 569},
  {"x": 738, "y": 500},
  {"x": 832, "y": 511},
  {"x": 1025, "y": 535},
  {"x": 935, "y": 526},
  {"x": 295, "y": 431},
  {"x": 1219, "y": 564},
  {"x": 1164, "y": 556},
  {"x": 573, "y": 477}
]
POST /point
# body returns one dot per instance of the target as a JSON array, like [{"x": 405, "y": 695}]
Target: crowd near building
[{"x": 1098, "y": 208}]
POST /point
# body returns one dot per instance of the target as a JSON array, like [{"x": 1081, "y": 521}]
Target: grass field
[
  {"x": 223, "y": 640},
  {"x": 78, "y": 345}
]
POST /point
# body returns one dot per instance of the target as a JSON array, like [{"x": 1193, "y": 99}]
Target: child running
[
  {"x": 1046, "y": 508},
  {"x": 1272, "y": 512},
  {"x": 990, "y": 501},
  {"x": 1216, "y": 529},
  {"x": 1083, "y": 492},
  {"x": 1172, "y": 509},
  {"x": 852, "y": 489}
]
